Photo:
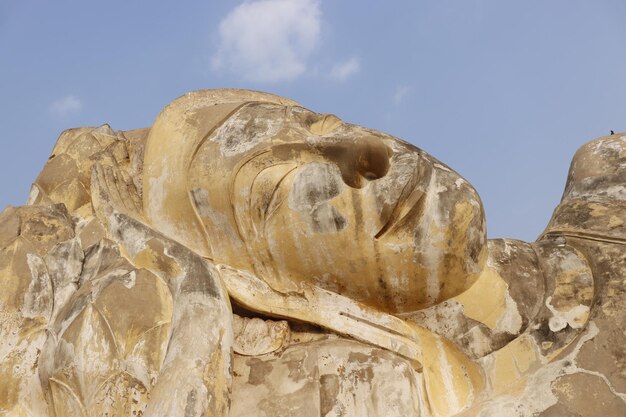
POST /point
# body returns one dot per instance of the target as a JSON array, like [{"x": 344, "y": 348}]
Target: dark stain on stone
[
  {"x": 340, "y": 221},
  {"x": 316, "y": 183},
  {"x": 584, "y": 393},
  {"x": 364, "y": 373},
  {"x": 327, "y": 219},
  {"x": 358, "y": 211},
  {"x": 558, "y": 410},
  {"x": 258, "y": 371},
  {"x": 519, "y": 267},
  {"x": 381, "y": 281},
  {"x": 329, "y": 390},
  {"x": 199, "y": 277},
  {"x": 190, "y": 404},
  {"x": 296, "y": 371},
  {"x": 358, "y": 357},
  {"x": 544, "y": 333}
]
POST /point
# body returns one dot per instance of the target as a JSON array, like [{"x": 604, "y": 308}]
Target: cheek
[
  {"x": 322, "y": 206},
  {"x": 313, "y": 229},
  {"x": 310, "y": 203}
]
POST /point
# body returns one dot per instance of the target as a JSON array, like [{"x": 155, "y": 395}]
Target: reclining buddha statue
[{"x": 247, "y": 257}]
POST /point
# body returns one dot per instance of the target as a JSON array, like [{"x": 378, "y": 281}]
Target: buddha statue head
[{"x": 262, "y": 184}]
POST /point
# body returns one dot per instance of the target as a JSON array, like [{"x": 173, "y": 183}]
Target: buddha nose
[{"x": 360, "y": 160}]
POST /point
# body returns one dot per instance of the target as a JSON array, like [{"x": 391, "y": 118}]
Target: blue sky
[{"x": 503, "y": 91}]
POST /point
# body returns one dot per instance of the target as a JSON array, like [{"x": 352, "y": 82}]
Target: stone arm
[
  {"x": 451, "y": 379},
  {"x": 195, "y": 377}
]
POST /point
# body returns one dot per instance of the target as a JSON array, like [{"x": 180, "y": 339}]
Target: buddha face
[{"x": 300, "y": 197}]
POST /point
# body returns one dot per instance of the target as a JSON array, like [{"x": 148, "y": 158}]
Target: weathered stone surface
[
  {"x": 245, "y": 256},
  {"x": 330, "y": 377}
]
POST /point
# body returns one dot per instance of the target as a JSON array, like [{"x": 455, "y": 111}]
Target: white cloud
[
  {"x": 400, "y": 93},
  {"x": 268, "y": 40},
  {"x": 66, "y": 105},
  {"x": 345, "y": 69}
]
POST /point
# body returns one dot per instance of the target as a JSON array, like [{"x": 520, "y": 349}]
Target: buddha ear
[{"x": 178, "y": 131}]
